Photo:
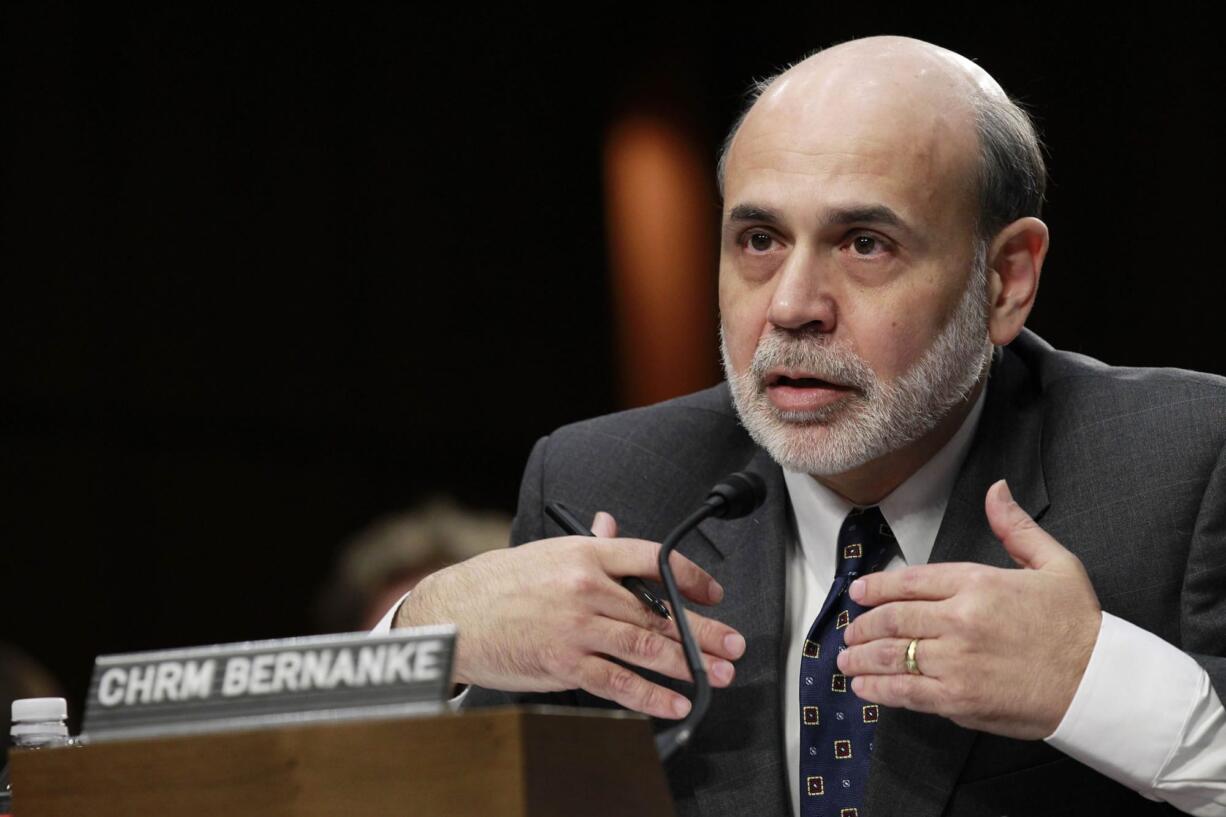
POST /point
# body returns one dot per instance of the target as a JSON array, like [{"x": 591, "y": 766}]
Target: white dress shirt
[{"x": 1162, "y": 734}]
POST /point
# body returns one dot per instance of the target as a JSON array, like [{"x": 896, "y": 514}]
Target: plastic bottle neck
[{"x": 39, "y": 733}]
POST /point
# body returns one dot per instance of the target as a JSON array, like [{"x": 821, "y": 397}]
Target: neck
[{"x": 877, "y": 479}]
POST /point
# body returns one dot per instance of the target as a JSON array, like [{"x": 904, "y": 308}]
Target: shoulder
[
  {"x": 645, "y": 462},
  {"x": 1123, "y": 425},
  {"x": 1085, "y": 392},
  {"x": 675, "y": 433},
  {"x": 704, "y": 412}
]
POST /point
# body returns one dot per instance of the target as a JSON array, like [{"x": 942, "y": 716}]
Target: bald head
[
  {"x": 902, "y": 61},
  {"x": 890, "y": 71},
  {"x": 874, "y": 90}
]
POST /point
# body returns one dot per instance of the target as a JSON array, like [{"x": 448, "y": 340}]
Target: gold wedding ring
[{"x": 909, "y": 662}]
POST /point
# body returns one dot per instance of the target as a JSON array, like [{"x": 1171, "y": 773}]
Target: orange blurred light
[{"x": 661, "y": 223}]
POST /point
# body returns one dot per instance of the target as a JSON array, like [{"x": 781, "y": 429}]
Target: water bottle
[{"x": 37, "y": 724}]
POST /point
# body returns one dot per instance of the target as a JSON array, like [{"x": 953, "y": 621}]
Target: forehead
[{"x": 833, "y": 141}]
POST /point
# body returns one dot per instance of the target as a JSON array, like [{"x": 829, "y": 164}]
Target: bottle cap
[{"x": 26, "y": 710}]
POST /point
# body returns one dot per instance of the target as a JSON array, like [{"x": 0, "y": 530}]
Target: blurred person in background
[{"x": 386, "y": 559}]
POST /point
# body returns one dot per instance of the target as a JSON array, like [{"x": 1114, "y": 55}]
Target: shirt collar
[{"x": 913, "y": 510}]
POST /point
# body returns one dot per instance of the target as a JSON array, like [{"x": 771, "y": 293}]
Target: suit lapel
[
  {"x": 736, "y": 764},
  {"x": 918, "y": 758}
]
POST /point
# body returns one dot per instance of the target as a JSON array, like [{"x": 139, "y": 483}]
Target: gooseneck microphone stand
[{"x": 737, "y": 495}]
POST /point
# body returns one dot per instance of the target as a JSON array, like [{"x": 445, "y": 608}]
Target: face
[
  {"x": 852, "y": 288},
  {"x": 872, "y": 417}
]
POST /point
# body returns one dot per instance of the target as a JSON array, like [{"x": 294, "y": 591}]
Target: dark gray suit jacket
[{"x": 1125, "y": 467}]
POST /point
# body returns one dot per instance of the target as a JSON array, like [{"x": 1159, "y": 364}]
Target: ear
[{"x": 1015, "y": 260}]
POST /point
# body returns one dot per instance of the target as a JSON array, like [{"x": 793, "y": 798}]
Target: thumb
[
  {"x": 604, "y": 525},
  {"x": 1028, "y": 544}
]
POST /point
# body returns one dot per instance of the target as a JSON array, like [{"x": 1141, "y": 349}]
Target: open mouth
[
  {"x": 794, "y": 391},
  {"x": 799, "y": 380}
]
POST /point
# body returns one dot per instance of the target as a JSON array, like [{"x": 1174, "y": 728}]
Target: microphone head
[{"x": 737, "y": 495}]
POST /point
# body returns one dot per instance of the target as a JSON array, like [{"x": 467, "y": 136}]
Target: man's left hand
[{"x": 1001, "y": 651}]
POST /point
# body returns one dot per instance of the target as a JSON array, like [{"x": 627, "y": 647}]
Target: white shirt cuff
[
  {"x": 1128, "y": 715},
  {"x": 385, "y": 626}
]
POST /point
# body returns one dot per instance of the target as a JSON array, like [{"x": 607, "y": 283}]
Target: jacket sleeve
[
  {"x": 1149, "y": 714},
  {"x": 1203, "y": 628}
]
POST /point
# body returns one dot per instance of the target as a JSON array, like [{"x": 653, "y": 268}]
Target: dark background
[{"x": 265, "y": 275}]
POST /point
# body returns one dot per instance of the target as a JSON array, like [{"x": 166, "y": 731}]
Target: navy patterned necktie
[{"x": 836, "y": 727}]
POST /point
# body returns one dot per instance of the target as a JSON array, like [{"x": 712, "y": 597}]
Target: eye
[
  {"x": 865, "y": 244},
  {"x": 868, "y": 246},
  {"x": 759, "y": 241}
]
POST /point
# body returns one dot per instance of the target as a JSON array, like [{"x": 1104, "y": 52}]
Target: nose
[{"x": 802, "y": 299}]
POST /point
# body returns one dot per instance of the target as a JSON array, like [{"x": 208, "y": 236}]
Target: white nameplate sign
[{"x": 257, "y": 683}]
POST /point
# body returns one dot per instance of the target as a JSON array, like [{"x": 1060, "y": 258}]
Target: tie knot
[{"x": 865, "y": 542}]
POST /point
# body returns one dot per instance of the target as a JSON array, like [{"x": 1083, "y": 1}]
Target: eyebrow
[
  {"x": 866, "y": 214},
  {"x": 753, "y": 212},
  {"x": 857, "y": 214}
]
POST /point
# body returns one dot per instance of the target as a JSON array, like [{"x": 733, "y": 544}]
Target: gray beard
[{"x": 877, "y": 417}]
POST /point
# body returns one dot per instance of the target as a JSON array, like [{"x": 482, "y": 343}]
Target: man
[{"x": 881, "y": 251}]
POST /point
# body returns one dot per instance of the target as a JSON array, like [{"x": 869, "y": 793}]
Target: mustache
[{"x": 811, "y": 354}]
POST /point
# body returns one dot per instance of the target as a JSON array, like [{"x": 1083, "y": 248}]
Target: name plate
[{"x": 273, "y": 682}]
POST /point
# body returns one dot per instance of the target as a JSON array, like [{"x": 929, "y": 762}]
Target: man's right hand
[{"x": 548, "y": 616}]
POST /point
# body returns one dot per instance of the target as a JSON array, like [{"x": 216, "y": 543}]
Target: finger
[
  {"x": 638, "y": 557},
  {"x": 914, "y": 692},
  {"x": 604, "y": 525},
  {"x": 713, "y": 637},
  {"x": 1028, "y": 544},
  {"x": 932, "y": 582},
  {"x": 898, "y": 619},
  {"x": 888, "y": 656},
  {"x": 654, "y": 651},
  {"x": 607, "y": 680}
]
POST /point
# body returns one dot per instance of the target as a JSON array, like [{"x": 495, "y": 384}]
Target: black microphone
[{"x": 738, "y": 495}]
